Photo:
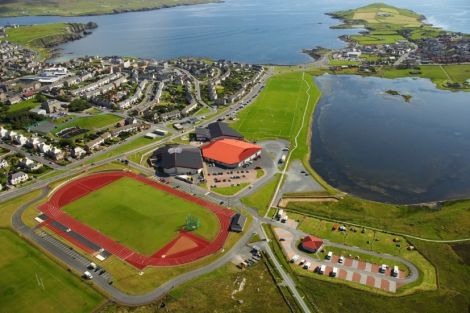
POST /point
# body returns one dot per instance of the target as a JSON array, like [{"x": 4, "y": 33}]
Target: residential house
[
  {"x": 78, "y": 152},
  {"x": 17, "y": 178},
  {"x": 56, "y": 153},
  {"x": 29, "y": 164}
]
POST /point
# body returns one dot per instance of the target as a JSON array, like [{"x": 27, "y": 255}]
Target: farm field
[
  {"x": 90, "y": 122},
  {"x": 31, "y": 282},
  {"x": 140, "y": 216}
]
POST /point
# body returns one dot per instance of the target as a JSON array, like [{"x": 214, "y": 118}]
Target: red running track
[{"x": 84, "y": 185}]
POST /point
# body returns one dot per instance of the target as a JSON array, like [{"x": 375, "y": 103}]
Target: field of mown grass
[
  {"x": 277, "y": 112},
  {"x": 23, "y": 105},
  {"x": 261, "y": 198},
  {"x": 139, "y": 216},
  {"x": 30, "y": 282},
  {"x": 90, "y": 122}
]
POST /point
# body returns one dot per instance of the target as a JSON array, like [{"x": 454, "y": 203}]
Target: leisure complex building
[{"x": 219, "y": 145}]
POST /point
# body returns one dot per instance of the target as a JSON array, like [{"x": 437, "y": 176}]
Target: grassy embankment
[
  {"x": 85, "y": 7},
  {"x": 32, "y": 281}
]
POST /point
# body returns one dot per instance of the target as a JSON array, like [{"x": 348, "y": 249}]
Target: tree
[
  {"x": 78, "y": 105},
  {"x": 40, "y": 98}
]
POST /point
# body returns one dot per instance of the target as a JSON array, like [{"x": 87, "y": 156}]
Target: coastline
[{"x": 116, "y": 11}]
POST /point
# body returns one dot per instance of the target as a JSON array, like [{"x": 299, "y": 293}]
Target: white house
[
  {"x": 78, "y": 152},
  {"x": 3, "y": 132},
  {"x": 18, "y": 178},
  {"x": 20, "y": 139},
  {"x": 44, "y": 147},
  {"x": 3, "y": 163},
  {"x": 34, "y": 142},
  {"x": 56, "y": 153},
  {"x": 11, "y": 134},
  {"x": 29, "y": 164}
]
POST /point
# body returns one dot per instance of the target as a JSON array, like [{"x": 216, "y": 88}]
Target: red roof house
[
  {"x": 230, "y": 152},
  {"x": 311, "y": 243}
]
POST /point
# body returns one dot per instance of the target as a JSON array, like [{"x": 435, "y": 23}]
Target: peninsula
[{"x": 42, "y": 38}]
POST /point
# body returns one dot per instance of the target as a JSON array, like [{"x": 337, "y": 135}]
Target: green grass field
[
  {"x": 90, "y": 122},
  {"x": 23, "y": 105},
  {"x": 27, "y": 35},
  {"x": 229, "y": 191},
  {"x": 261, "y": 198},
  {"x": 213, "y": 293},
  {"x": 139, "y": 216},
  {"x": 30, "y": 282},
  {"x": 451, "y": 221},
  {"x": 124, "y": 147},
  {"x": 277, "y": 111},
  {"x": 30, "y": 35},
  {"x": 83, "y": 7}
]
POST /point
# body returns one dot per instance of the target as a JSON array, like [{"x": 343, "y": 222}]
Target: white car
[
  {"x": 341, "y": 260},
  {"x": 87, "y": 275}
]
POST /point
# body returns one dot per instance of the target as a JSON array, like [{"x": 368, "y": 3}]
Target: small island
[{"x": 391, "y": 92}]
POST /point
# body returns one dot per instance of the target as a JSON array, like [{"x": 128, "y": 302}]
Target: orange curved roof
[{"x": 229, "y": 151}]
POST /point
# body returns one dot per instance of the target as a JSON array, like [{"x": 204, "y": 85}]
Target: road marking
[{"x": 368, "y": 267}]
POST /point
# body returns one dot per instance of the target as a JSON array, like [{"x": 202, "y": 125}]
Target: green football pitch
[
  {"x": 140, "y": 216},
  {"x": 30, "y": 282}
]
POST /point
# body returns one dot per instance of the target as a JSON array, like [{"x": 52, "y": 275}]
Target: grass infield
[{"x": 139, "y": 216}]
